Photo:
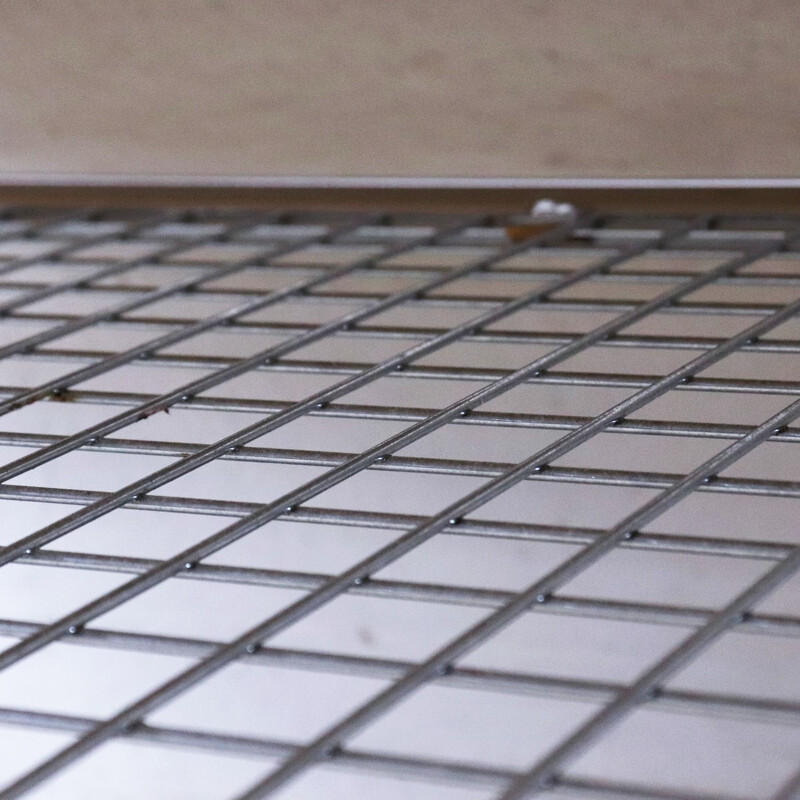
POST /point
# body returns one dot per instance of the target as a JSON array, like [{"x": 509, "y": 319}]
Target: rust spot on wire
[
  {"x": 524, "y": 231},
  {"x": 59, "y": 396}
]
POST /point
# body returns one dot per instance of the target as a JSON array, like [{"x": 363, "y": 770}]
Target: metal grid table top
[{"x": 329, "y": 505}]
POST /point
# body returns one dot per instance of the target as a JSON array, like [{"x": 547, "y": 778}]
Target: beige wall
[{"x": 577, "y": 87}]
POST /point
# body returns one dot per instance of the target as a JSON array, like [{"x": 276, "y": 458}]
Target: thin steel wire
[
  {"x": 790, "y": 790},
  {"x": 324, "y": 745},
  {"x": 399, "y": 332},
  {"x": 331, "y": 746}
]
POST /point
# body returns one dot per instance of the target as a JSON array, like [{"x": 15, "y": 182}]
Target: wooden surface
[
  {"x": 464, "y": 195},
  {"x": 577, "y": 87}
]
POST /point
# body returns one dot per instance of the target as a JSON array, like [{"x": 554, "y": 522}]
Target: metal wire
[{"x": 427, "y": 288}]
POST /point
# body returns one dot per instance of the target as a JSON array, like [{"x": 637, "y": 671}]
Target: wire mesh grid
[{"x": 315, "y": 504}]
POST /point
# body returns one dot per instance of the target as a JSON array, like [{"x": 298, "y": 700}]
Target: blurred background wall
[{"x": 577, "y": 87}]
